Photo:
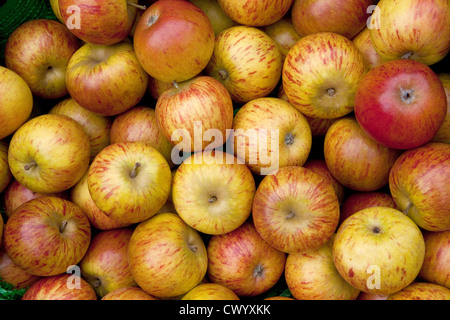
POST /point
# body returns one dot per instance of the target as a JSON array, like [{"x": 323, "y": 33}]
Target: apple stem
[
  {"x": 175, "y": 84},
  {"x": 30, "y": 165},
  {"x": 223, "y": 74},
  {"x": 133, "y": 173},
  {"x": 96, "y": 283},
  {"x": 63, "y": 226},
  {"x": 193, "y": 248},
  {"x": 410, "y": 204},
  {"x": 407, "y": 55},
  {"x": 142, "y": 7},
  {"x": 331, "y": 92},
  {"x": 290, "y": 215}
]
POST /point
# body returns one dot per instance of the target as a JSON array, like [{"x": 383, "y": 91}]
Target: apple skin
[
  {"x": 49, "y": 153},
  {"x": 369, "y": 170},
  {"x": 169, "y": 30},
  {"x": 422, "y": 291},
  {"x": 221, "y": 192},
  {"x": 13, "y": 274},
  {"x": 262, "y": 116},
  {"x": 247, "y": 61},
  {"x": 106, "y": 80},
  {"x": 363, "y": 42},
  {"x": 295, "y": 210},
  {"x": 321, "y": 73},
  {"x": 203, "y": 99},
  {"x": 129, "y": 181},
  {"x": 443, "y": 134},
  {"x": 372, "y": 296},
  {"x": 243, "y": 262},
  {"x": 210, "y": 291},
  {"x": 219, "y": 19},
  {"x": 173, "y": 270},
  {"x": 55, "y": 8},
  {"x": 418, "y": 30},
  {"x": 105, "y": 264},
  {"x": 45, "y": 236},
  {"x": 39, "y": 51},
  {"x": 255, "y": 13},
  {"x": 313, "y": 276},
  {"x": 56, "y": 288},
  {"x": 418, "y": 182},
  {"x": 102, "y": 22},
  {"x": 5, "y": 173},
  {"x": 436, "y": 265},
  {"x": 347, "y": 17},
  {"x": 383, "y": 239},
  {"x": 128, "y": 293},
  {"x": 401, "y": 104},
  {"x": 16, "y": 103},
  {"x": 284, "y": 34}
]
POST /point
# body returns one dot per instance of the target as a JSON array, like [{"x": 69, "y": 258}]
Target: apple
[
  {"x": 243, "y": 262},
  {"x": 96, "y": 126},
  {"x": 443, "y": 134},
  {"x": 372, "y": 296},
  {"x": 55, "y": 8},
  {"x": 354, "y": 158},
  {"x": 401, "y": 104},
  {"x": 321, "y": 73},
  {"x": 173, "y": 40},
  {"x": 279, "y": 298},
  {"x": 418, "y": 182},
  {"x": 422, "y": 291},
  {"x": 269, "y": 133},
  {"x": 295, "y": 209},
  {"x": 378, "y": 250},
  {"x": 210, "y": 291},
  {"x": 418, "y": 30},
  {"x": 60, "y": 287},
  {"x": 106, "y": 79},
  {"x": 312, "y": 275},
  {"x": 129, "y": 181},
  {"x": 436, "y": 264},
  {"x": 255, "y": 12},
  {"x": 13, "y": 274},
  {"x": 347, "y": 17},
  {"x": 157, "y": 87},
  {"x": 45, "y": 236},
  {"x": 363, "y": 42},
  {"x": 5, "y": 173},
  {"x": 221, "y": 190},
  {"x": 190, "y": 110},
  {"x": 166, "y": 257},
  {"x": 39, "y": 51},
  {"x": 16, "y": 102},
  {"x": 49, "y": 153},
  {"x": 103, "y": 22},
  {"x": 219, "y": 19},
  {"x": 128, "y": 293},
  {"x": 105, "y": 264},
  {"x": 247, "y": 61}
]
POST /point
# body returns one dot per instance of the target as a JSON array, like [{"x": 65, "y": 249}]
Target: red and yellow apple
[
  {"x": 422, "y": 291},
  {"x": 443, "y": 134},
  {"x": 363, "y": 42},
  {"x": 284, "y": 34},
  {"x": 210, "y": 291},
  {"x": 128, "y": 293},
  {"x": 436, "y": 264},
  {"x": 5, "y": 173},
  {"x": 11, "y": 273},
  {"x": 219, "y": 19}
]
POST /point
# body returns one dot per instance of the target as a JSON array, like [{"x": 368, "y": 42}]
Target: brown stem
[
  {"x": 407, "y": 208},
  {"x": 142, "y": 7},
  {"x": 134, "y": 172},
  {"x": 175, "y": 84},
  {"x": 223, "y": 74},
  {"x": 63, "y": 226},
  {"x": 30, "y": 165}
]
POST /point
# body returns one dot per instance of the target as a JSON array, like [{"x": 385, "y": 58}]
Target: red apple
[
  {"x": 443, "y": 134},
  {"x": 436, "y": 265},
  {"x": 11, "y": 273}
]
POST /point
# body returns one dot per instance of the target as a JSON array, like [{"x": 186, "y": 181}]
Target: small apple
[
  {"x": 422, "y": 291},
  {"x": 443, "y": 134},
  {"x": 436, "y": 265},
  {"x": 128, "y": 293},
  {"x": 210, "y": 291},
  {"x": 284, "y": 34},
  {"x": 13, "y": 274},
  {"x": 363, "y": 42},
  {"x": 157, "y": 87},
  {"x": 219, "y": 19},
  {"x": 5, "y": 173}
]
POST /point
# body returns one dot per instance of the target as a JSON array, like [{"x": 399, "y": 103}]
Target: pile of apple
[{"x": 142, "y": 179}]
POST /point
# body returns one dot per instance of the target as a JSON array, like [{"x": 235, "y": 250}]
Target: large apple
[
  {"x": 269, "y": 133},
  {"x": 284, "y": 34},
  {"x": 418, "y": 30},
  {"x": 401, "y": 103},
  {"x": 219, "y": 19},
  {"x": 221, "y": 191},
  {"x": 45, "y": 236},
  {"x": 167, "y": 258},
  {"x": 195, "y": 114},
  {"x": 422, "y": 291},
  {"x": 106, "y": 80},
  {"x": 247, "y": 61},
  {"x": 354, "y": 158},
  {"x": 210, "y": 291},
  {"x": 418, "y": 182},
  {"x": 347, "y": 17},
  {"x": 5, "y": 173},
  {"x": 49, "y": 153},
  {"x": 313, "y": 276},
  {"x": 11, "y": 273},
  {"x": 16, "y": 102},
  {"x": 174, "y": 40},
  {"x": 129, "y": 181},
  {"x": 128, "y": 293},
  {"x": 243, "y": 262},
  {"x": 436, "y": 265},
  {"x": 104, "y": 22},
  {"x": 443, "y": 134},
  {"x": 363, "y": 42},
  {"x": 39, "y": 51},
  {"x": 321, "y": 73},
  {"x": 379, "y": 250},
  {"x": 295, "y": 209}
]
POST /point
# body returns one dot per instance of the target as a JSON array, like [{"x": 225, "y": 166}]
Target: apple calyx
[
  {"x": 289, "y": 139},
  {"x": 63, "y": 226},
  {"x": 30, "y": 165},
  {"x": 290, "y": 215},
  {"x": 134, "y": 172},
  {"x": 331, "y": 92},
  {"x": 212, "y": 199},
  {"x": 407, "y": 95},
  {"x": 152, "y": 19},
  {"x": 376, "y": 229},
  {"x": 142, "y": 7},
  {"x": 223, "y": 74},
  {"x": 258, "y": 271},
  {"x": 407, "y": 55}
]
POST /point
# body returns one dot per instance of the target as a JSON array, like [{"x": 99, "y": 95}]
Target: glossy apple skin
[
  {"x": 5, "y": 173},
  {"x": 422, "y": 291},
  {"x": 295, "y": 210},
  {"x": 44, "y": 236},
  {"x": 56, "y": 288},
  {"x": 321, "y": 73},
  {"x": 419, "y": 29},
  {"x": 173, "y": 270},
  {"x": 401, "y": 104},
  {"x": 443, "y": 134},
  {"x": 436, "y": 265},
  {"x": 363, "y": 42},
  {"x": 13, "y": 274},
  {"x": 39, "y": 51},
  {"x": 369, "y": 170},
  {"x": 59, "y": 147},
  {"x": 346, "y": 17},
  {"x": 202, "y": 99},
  {"x": 284, "y": 34},
  {"x": 242, "y": 261},
  {"x": 210, "y": 291},
  {"x": 16, "y": 102},
  {"x": 381, "y": 238},
  {"x": 128, "y": 293},
  {"x": 173, "y": 40},
  {"x": 106, "y": 80}
]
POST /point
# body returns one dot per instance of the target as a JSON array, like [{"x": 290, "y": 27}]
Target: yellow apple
[
  {"x": 210, "y": 291},
  {"x": 284, "y": 34},
  {"x": 219, "y": 19},
  {"x": 5, "y": 173},
  {"x": 128, "y": 293},
  {"x": 363, "y": 42},
  {"x": 422, "y": 291}
]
